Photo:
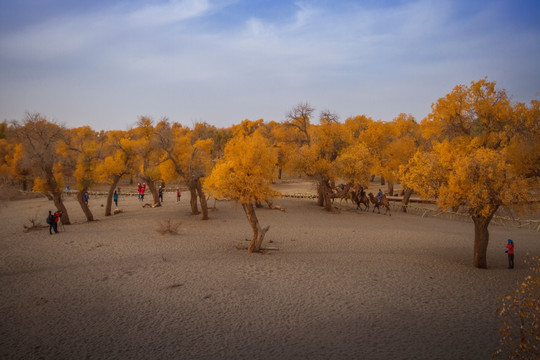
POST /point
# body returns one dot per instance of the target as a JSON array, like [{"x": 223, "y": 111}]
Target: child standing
[
  {"x": 178, "y": 195},
  {"x": 510, "y": 252}
]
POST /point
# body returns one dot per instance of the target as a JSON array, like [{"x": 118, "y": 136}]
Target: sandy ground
[{"x": 347, "y": 285}]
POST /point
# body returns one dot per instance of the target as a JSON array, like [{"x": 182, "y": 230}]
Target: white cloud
[{"x": 171, "y": 12}]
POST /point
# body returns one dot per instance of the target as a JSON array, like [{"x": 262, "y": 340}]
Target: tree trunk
[
  {"x": 202, "y": 199},
  {"x": 258, "y": 232},
  {"x": 110, "y": 195},
  {"x": 320, "y": 194},
  {"x": 327, "y": 200},
  {"x": 382, "y": 181},
  {"x": 406, "y": 197},
  {"x": 280, "y": 170},
  {"x": 193, "y": 200},
  {"x": 481, "y": 239},
  {"x": 390, "y": 188},
  {"x": 57, "y": 198},
  {"x": 326, "y": 191},
  {"x": 153, "y": 190},
  {"x": 84, "y": 206}
]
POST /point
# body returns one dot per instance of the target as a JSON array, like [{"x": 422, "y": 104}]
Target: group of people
[
  {"x": 161, "y": 190},
  {"x": 141, "y": 188},
  {"x": 52, "y": 220}
]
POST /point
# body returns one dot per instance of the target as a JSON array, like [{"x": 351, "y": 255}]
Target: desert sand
[{"x": 342, "y": 285}]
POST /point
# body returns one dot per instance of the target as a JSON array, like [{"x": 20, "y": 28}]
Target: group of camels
[{"x": 359, "y": 197}]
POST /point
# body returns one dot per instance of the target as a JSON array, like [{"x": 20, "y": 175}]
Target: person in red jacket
[
  {"x": 57, "y": 219},
  {"x": 510, "y": 252}
]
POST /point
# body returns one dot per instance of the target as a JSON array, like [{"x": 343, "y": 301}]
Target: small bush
[
  {"x": 168, "y": 227},
  {"x": 35, "y": 224},
  {"x": 519, "y": 316}
]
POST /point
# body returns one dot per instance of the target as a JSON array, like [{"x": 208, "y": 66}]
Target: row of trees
[{"x": 476, "y": 151}]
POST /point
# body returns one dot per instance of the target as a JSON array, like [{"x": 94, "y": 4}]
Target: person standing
[
  {"x": 115, "y": 198},
  {"x": 50, "y": 221},
  {"x": 510, "y": 252},
  {"x": 57, "y": 216},
  {"x": 178, "y": 195},
  {"x": 160, "y": 193}
]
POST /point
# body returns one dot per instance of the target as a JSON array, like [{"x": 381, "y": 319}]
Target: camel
[
  {"x": 342, "y": 192},
  {"x": 362, "y": 199},
  {"x": 376, "y": 205}
]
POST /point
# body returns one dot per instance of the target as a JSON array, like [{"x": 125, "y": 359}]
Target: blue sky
[{"x": 105, "y": 63}]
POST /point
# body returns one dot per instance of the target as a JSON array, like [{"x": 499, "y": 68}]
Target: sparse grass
[{"x": 168, "y": 227}]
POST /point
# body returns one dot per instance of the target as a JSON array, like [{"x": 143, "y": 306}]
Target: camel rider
[{"x": 379, "y": 196}]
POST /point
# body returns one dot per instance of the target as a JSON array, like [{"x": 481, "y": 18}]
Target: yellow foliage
[
  {"x": 355, "y": 127},
  {"x": 482, "y": 180},
  {"x": 247, "y": 127},
  {"x": 168, "y": 171},
  {"x": 477, "y": 111},
  {"x": 58, "y": 170},
  {"x": 355, "y": 164},
  {"x": 424, "y": 174},
  {"x": 245, "y": 172},
  {"x": 113, "y": 166},
  {"x": 317, "y": 158},
  {"x": 40, "y": 185},
  {"x": 486, "y": 152}
]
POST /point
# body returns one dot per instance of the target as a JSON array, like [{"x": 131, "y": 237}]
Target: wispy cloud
[{"x": 170, "y": 12}]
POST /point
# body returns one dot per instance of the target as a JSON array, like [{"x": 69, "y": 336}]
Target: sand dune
[{"x": 342, "y": 285}]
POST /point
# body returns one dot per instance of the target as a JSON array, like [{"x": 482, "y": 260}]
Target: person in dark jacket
[{"x": 50, "y": 221}]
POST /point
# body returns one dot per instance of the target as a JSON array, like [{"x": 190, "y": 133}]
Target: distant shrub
[
  {"x": 168, "y": 227},
  {"x": 35, "y": 224}
]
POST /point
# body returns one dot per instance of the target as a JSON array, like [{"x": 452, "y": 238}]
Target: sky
[{"x": 106, "y": 63}]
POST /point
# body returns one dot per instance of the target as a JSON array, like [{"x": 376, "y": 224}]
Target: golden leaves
[
  {"x": 246, "y": 170},
  {"x": 476, "y": 159}
]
